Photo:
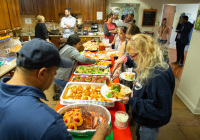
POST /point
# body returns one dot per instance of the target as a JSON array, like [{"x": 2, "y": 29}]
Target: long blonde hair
[
  {"x": 150, "y": 56},
  {"x": 40, "y": 18}
]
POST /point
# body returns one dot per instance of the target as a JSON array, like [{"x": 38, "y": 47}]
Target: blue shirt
[
  {"x": 68, "y": 20},
  {"x": 24, "y": 117},
  {"x": 151, "y": 105}
]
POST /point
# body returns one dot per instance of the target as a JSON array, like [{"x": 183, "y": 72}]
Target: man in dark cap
[{"x": 22, "y": 115}]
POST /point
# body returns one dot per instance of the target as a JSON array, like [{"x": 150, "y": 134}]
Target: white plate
[
  {"x": 104, "y": 89},
  {"x": 123, "y": 76}
]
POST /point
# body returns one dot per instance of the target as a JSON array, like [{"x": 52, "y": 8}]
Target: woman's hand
[
  {"x": 124, "y": 100},
  {"x": 119, "y": 61},
  {"x": 96, "y": 60},
  {"x": 116, "y": 74}
]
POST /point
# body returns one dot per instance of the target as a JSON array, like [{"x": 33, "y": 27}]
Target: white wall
[
  {"x": 182, "y": 8},
  {"x": 189, "y": 87},
  {"x": 147, "y": 4}
]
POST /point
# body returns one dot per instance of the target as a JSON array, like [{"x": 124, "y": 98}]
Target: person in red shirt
[{"x": 109, "y": 28}]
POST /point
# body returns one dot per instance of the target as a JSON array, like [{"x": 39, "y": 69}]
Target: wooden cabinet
[
  {"x": 62, "y": 4},
  {"x": 55, "y": 41},
  {"x": 47, "y": 8},
  {"x": 25, "y": 38},
  {"x": 87, "y": 12},
  {"x": 99, "y": 6},
  {"x": 10, "y": 16},
  {"x": 91, "y": 7},
  {"x": 15, "y": 18},
  {"x": 5, "y": 25},
  {"x": 26, "y": 7},
  {"x": 75, "y": 6},
  {"x": 85, "y": 39}
]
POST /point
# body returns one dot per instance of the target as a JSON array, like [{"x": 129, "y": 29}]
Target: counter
[
  {"x": 5, "y": 68},
  {"x": 61, "y": 35}
]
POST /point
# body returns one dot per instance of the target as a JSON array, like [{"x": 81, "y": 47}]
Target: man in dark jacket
[
  {"x": 23, "y": 116},
  {"x": 182, "y": 39}
]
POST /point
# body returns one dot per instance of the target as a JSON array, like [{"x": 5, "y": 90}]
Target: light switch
[{"x": 28, "y": 21}]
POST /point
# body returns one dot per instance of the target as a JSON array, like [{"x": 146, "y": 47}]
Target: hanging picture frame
[{"x": 197, "y": 23}]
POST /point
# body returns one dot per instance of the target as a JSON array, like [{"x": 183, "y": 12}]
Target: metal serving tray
[
  {"x": 109, "y": 58},
  {"x": 91, "y": 74},
  {"x": 71, "y": 101},
  {"x": 89, "y": 107}
]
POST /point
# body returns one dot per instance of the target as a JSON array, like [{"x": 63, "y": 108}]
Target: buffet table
[{"x": 118, "y": 134}]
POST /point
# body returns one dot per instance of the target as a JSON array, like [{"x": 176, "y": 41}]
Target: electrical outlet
[{"x": 28, "y": 21}]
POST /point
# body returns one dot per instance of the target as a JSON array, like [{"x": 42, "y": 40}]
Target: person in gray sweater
[{"x": 70, "y": 51}]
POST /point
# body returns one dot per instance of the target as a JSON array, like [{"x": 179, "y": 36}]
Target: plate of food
[
  {"x": 89, "y": 54},
  {"x": 103, "y": 63},
  {"x": 83, "y": 119},
  {"x": 92, "y": 70},
  {"x": 89, "y": 78},
  {"x": 84, "y": 92},
  {"x": 129, "y": 76},
  {"x": 103, "y": 57},
  {"x": 114, "y": 53},
  {"x": 90, "y": 46},
  {"x": 115, "y": 91}
]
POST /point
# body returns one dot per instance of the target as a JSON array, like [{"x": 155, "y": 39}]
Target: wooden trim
[{"x": 150, "y": 11}]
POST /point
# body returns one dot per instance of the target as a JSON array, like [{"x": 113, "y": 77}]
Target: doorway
[{"x": 169, "y": 12}]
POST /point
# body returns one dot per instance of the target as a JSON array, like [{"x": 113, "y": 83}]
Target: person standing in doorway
[
  {"x": 182, "y": 39},
  {"x": 67, "y": 23},
  {"x": 163, "y": 32}
]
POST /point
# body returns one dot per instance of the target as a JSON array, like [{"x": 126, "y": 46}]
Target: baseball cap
[{"x": 38, "y": 53}]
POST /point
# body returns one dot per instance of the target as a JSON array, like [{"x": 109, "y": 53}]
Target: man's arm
[
  {"x": 72, "y": 24},
  {"x": 62, "y": 24},
  {"x": 102, "y": 132}
]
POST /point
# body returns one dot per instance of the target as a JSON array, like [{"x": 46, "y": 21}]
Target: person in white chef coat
[{"x": 67, "y": 23}]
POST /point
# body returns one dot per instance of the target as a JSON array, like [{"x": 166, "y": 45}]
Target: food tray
[
  {"x": 88, "y": 76},
  {"x": 103, "y": 61},
  {"x": 89, "y": 107},
  {"x": 71, "y": 101},
  {"x": 107, "y": 56},
  {"x": 89, "y": 73}
]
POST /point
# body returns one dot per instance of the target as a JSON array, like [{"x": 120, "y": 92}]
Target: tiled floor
[{"x": 182, "y": 126}]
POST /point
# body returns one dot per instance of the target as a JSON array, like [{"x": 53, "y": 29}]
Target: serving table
[{"x": 117, "y": 134}]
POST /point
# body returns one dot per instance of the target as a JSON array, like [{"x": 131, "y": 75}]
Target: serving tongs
[
  {"x": 103, "y": 69},
  {"x": 111, "y": 76}
]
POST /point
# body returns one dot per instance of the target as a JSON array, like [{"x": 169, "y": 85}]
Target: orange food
[
  {"x": 78, "y": 120},
  {"x": 76, "y": 114},
  {"x": 67, "y": 120},
  {"x": 103, "y": 63},
  {"x": 83, "y": 92},
  {"x": 72, "y": 126},
  {"x": 67, "y": 114}
]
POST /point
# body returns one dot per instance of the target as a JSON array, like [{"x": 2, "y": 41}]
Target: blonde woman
[
  {"x": 151, "y": 101},
  {"x": 41, "y": 29}
]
